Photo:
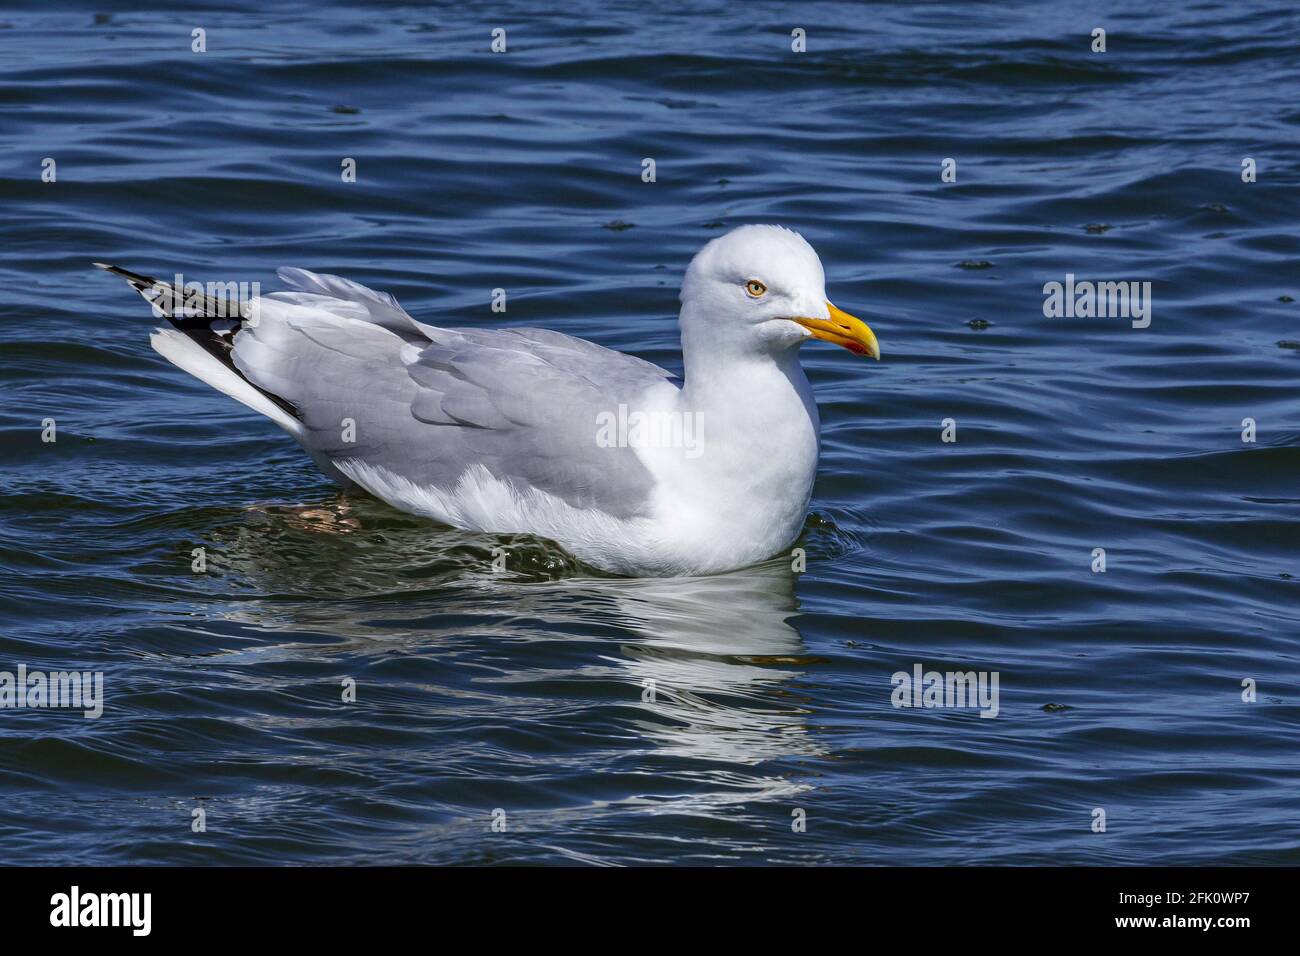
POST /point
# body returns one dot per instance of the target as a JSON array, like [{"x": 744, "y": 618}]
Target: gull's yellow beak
[{"x": 846, "y": 330}]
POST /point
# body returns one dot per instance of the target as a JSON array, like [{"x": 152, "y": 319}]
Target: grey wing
[{"x": 427, "y": 404}]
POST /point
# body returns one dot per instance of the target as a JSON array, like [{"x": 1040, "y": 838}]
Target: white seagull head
[{"x": 762, "y": 289}]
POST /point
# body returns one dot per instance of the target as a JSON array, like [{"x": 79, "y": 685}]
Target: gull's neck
[
  {"x": 739, "y": 384},
  {"x": 747, "y": 386},
  {"x": 744, "y": 496},
  {"x": 755, "y": 407}
]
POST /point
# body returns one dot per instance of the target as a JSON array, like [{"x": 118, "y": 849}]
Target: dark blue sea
[{"x": 506, "y": 717}]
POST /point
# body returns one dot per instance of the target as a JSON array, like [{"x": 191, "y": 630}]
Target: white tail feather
[{"x": 183, "y": 352}]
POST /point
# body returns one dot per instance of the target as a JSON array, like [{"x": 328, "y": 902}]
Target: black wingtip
[
  {"x": 133, "y": 277},
  {"x": 198, "y": 327}
]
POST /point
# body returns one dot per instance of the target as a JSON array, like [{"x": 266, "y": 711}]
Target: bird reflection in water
[{"x": 697, "y": 669}]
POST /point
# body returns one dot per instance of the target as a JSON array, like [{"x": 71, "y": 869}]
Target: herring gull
[{"x": 529, "y": 430}]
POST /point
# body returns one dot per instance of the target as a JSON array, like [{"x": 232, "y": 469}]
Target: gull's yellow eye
[{"x": 755, "y": 288}]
